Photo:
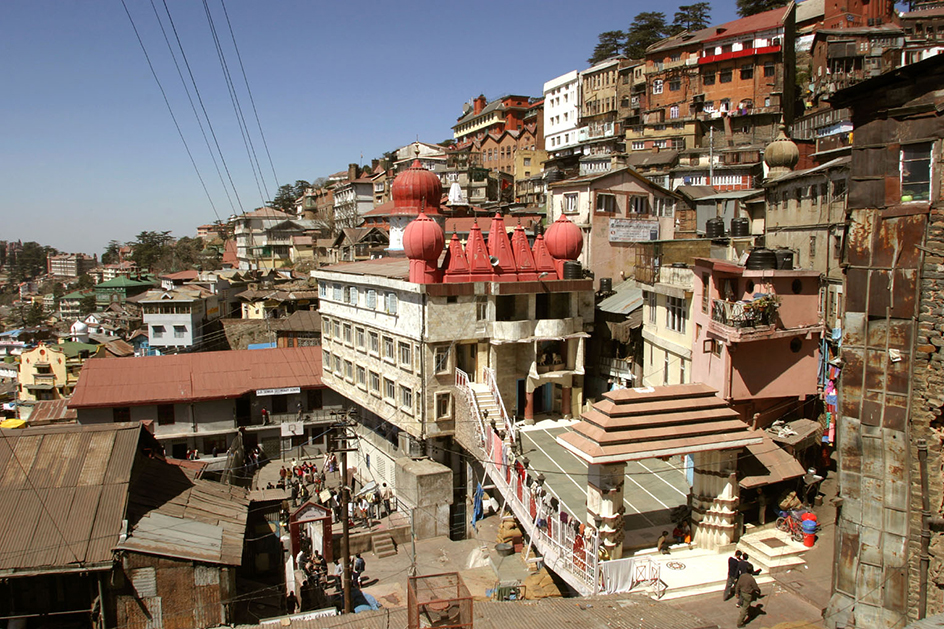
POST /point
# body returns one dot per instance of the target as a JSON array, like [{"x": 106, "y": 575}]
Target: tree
[
  {"x": 285, "y": 199},
  {"x": 753, "y": 7},
  {"x": 610, "y": 45},
  {"x": 34, "y": 316},
  {"x": 87, "y": 305},
  {"x": 647, "y": 28},
  {"x": 150, "y": 248},
  {"x": 112, "y": 252},
  {"x": 84, "y": 282},
  {"x": 31, "y": 261},
  {"x": 692, "y": 17}
]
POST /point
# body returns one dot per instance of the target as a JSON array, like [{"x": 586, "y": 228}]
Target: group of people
[
  {"x": 741, "y": 583},
  {"x": 682, "y": 534}
]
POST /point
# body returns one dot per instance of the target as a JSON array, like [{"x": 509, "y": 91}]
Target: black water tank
[
  {"x": 714, "y": 228},
  {"x": 761, "y": 259},
  {"x": 740, "y": 227},
  {"x": 572, "y": 270},
  {"x": 784, "y": 259},
  {"x": 606, "y": 285}
]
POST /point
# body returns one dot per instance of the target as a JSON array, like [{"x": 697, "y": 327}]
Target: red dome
[
  {"x": 416, "y": 190},
  {"x": 423, "y": 239},
  {"x": 564, "y": 239}
]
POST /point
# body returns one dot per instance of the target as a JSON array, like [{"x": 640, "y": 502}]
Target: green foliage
[
  {"x": 84, "y": 282},
  {"x": 111, "y": 252},
  {"x": 691, "y": 17},
  {"x": 31, "y": 261},
  {"x": 34, "y": 316},
  {"x": 285, "y": 198},
  {"x": 149, "y": 248},
  {"x": 647, "y": 28},
  {"x": 611, "y": 44},
  {"x": 753, "y": 7},
  {"x": 87, "y": 305}
]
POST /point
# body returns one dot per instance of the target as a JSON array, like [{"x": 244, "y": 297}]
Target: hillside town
[{"x": 562, "y": 365}]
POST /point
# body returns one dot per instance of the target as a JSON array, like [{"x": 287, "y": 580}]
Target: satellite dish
[{"x": 493, "y": 260}]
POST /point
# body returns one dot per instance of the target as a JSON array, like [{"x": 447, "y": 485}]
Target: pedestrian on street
[
  {"x": 291, "y": 603},
  {"x": 733, "y": 564},
  {"x": 746, "y": 566},
  {"x": 747, "y": 592},
  {"x": 386, "y": 495}
]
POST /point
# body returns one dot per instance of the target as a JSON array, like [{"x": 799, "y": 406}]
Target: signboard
[
  {"x": 284, "y": 391},
  {"x": 633, "y": 229},
  {"x": 293, "y": 429}
]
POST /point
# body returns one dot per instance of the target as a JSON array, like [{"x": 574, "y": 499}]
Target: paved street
[{"x": 652, "y": 488}]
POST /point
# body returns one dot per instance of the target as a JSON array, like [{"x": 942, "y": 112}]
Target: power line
[
  {"x": 194, "y": 108},
  {"x": 249, "y": 90},
  {"x": 202, "y": 106},
  {"x": 234, "y": 98},
  {"x": 169, "y": 108}
]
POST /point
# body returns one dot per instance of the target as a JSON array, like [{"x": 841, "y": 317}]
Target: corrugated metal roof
[
  {"x": 51, "y": 411},
  {"x": 63, "y": 492},
  {"x": 773, "y": 464},
  {"x": 626, "y": 298},
  {"x": 203, "y": 376}
]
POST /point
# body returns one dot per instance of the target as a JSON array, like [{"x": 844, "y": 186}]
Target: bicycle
[{"x": 790, "y": 523}]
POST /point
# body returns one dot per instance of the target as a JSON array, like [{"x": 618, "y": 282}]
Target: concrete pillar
[
  {"x": 715, "y": 499},
  {"x": 529, "y": 406},
  {"x": 605, "y": 501},
  {"x": 566, "y": 403}
]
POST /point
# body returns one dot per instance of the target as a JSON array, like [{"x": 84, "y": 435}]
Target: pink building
[{"x": 757, "y": 336}]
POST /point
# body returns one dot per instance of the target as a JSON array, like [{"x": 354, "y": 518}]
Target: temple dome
[
  {"x": 423, "y": 239},
  {"x": 563, "y": 239},
  {"x": 416, "y": 190},
  {"x": 781, "y": 155}
]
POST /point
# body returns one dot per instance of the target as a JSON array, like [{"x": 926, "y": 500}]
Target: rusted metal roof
[
  {"x": 51, "y": 412},
  {"x": 173, "y": 515},
  {"x": 633, "y": 424},
  {"x": 203, "y": 376},
  {"x": 63, "y": 494},
  {"x": 766, "y": 464}
]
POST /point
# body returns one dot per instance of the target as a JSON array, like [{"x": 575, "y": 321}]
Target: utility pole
[{"x": 341, "y": 437}]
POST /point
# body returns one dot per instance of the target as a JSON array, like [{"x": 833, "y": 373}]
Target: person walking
[
  {"x": 386, "y": 495},
  {"x": 733, "y": 563},
  {"x": 747, "y": 592},
  {"x": 359, "y": 567},
  {"x": 745, "y": 566}
]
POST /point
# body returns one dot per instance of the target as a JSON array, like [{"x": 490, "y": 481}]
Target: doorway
[{"x": 466, "y": 358}]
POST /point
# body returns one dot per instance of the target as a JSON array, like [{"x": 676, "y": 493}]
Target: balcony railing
[{"x": 745, "y": 314}]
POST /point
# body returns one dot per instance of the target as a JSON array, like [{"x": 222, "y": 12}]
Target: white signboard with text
[{"x": 633, "y": 229}]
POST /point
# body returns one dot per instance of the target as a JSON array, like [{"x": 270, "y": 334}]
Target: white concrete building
[
  {"x": 561, "y": 113},
  {"x": 175, "y": 319}
]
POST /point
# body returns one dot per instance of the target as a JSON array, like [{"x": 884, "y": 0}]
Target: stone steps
[
  {"x": 383, "y": 545},
  {"x": 772, "y": 550}
]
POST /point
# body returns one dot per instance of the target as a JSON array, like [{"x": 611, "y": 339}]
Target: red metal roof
[{"x": 194, "y": 377}]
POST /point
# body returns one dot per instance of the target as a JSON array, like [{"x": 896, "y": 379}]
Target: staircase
[
  {"x": 383, "y": 545},
  {"x": 772, "y": 550},
  {"x": 487, "y": 402}
]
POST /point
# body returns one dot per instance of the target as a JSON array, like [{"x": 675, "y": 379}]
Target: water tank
[
  {"x": 784, "y": 259},
  {"x": 606, "y": 285},
  {"x": 761, "y": 259},
  {"x": 553, "y": 175},
  {"x": 740, "y": 227},
  {"x": 714, "y": 228},
  {"x": 572, "y": 270}
]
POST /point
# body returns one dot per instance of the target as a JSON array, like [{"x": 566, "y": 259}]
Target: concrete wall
[{"x": 425, "y": 487}]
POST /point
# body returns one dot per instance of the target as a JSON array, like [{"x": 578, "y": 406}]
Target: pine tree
[
  {"x": 611, "y": 43},
  {"x": 647, "y": 28}
]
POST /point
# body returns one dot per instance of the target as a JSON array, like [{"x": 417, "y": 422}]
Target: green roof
[
  {"x": 123, "y": 281},
  {"x": 79, "y": 294},
  {"x": 72, "y": 348}
]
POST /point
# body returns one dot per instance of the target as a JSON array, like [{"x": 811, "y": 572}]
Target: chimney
[
  {"x": 374, "y": 163},
  {"x": 352, "y": 170},
  {"x": 655, "y": 147},
  {"x": 478, "y": 105}
]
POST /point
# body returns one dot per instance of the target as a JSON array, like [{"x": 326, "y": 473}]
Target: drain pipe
[{"x": 925, "y": 529}]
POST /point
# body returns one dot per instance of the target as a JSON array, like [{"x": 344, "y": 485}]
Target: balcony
[
  {"x": 528, "y": 330},
  {"x": 745, "y": 314}
]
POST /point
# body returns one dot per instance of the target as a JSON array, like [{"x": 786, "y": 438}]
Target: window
[
  {"x": 165, "y": 414},
  {"x": 374, "y": 342},
  {"x": 441, "y": 360},
  {"x": 747, "y": 72},
  {"x": 336, "y": 292},
  {"x": 651, "y": 305},
  {"x": 708, "y": 78},
  {"x": 359, "y": 337},
  {"x": 665, "y": 369},
  {"x": 657, "y": 86},
  {"x": 676, "y": 57},
  {"x": 527, "y": 161},
  {"x": 121, "y": 414},
  {"x": 726, "y": 76},
  {"x": 388, "y": 348},
  {"x": 638, "y": 146},
  {"x": 481, "y": 309},
  {"x": 322, "y": 290},
  {"x": 664, "y": 206},
  {"x": 326, "y": 328},
  {"x": 349, "y": 370},
  {"x": 391, "y": 303},
  {"x": 406, "y": 397},
  {"x": 606, "y": 203},
  {"x": 674, "y": 111},
  {"x": 347, "y": 294},
  {"x": 681, "y": 371},
  {"x": 725, "y": 104},
  {"x": 705, "y": 292},
  {"x": 570, "y": 203},
  {"x": 371, "y": 298},
  {"x": 769, "y": 69},
  {"x": 443, "y": 405},
  {"x": 639, "y": 205},
  {"x": 347, "y": 333},
  {"x": 157, "y": 331},
  {"x": 675, "y": 314},
  {"x": 326, "y": 359},
  {"x": 406, "y": 354},
  {"x": 375, "y": 382},
  {"x": 675, "y": 85},
  {"x": 361, "y": 377},
  {"x": 337, "y": 365},
  {"x": 390, "y": 390},
  {"x": 916, "y": 172},
  {"x": 336, "y": 329}
]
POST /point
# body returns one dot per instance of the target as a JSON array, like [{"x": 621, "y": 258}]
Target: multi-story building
[
  {"x": 481, "y": 117},
  {"x": 70, "y": 264},
  {"x": 43, "y": 374},
  {"x": 600, "y": 133},
  {"x": 176, "y": 319},
  {"x": 924, "y": 34},
  {"x": 845, "y": 56},
  {"x": 352, "y": 199},
  {"x": 561, "y": 116},
  {"x": 614, "y": 210},
  {"x": 265, "y": 238},
  {"x": 397, "y": 332},
  {"x": 118, "y": 290}
]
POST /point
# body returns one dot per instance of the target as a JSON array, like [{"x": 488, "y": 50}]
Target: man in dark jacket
[
  {"x": 733, "y": 564},
  {"x": 747, "y": 592}
]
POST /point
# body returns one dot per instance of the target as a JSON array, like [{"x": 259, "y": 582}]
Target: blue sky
[{"x": 90, "y": 152}]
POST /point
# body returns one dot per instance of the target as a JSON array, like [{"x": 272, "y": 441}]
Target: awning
[
  {"x": 39, "y": 387},
  {"x": 799, "y": 434},
  {"x": 622, "y": 330},
  {"x": 767, "y": 463},
  {"x": 13, "y": 423}
]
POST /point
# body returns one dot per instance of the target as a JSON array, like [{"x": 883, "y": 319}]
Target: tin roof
[
  {"x": 194, "y": 377},
  {"x": 63, "y": 494},
  {"x": 51, "y": 411}
]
